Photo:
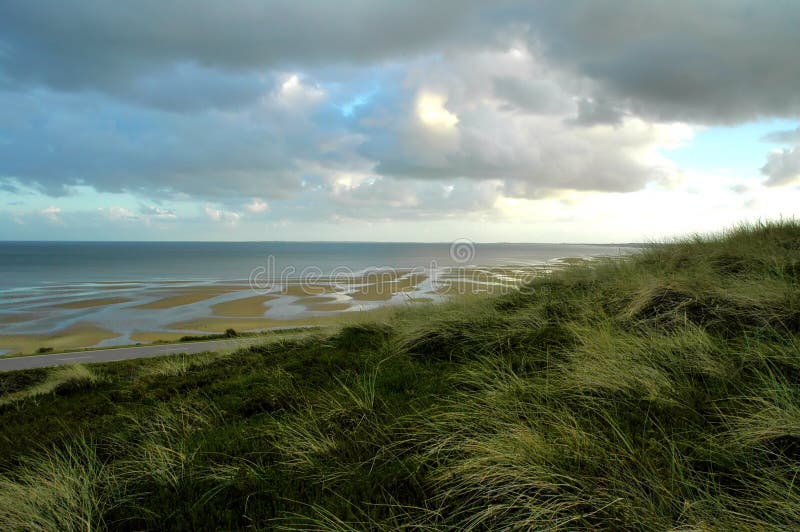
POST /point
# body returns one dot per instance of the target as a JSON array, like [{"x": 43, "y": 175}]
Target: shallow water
[{"x": 38, "y": 278}]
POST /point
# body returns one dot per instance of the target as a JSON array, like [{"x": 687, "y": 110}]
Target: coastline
[{"x": 110, "y": 314}]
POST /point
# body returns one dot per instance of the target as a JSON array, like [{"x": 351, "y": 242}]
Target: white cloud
[
  {"x": 119, "y": 213},
  {"x": 783, "y": 166},
  {"x": 220, "y": 215},
  {"x": 294, "y": 93},
  {"x": 257, "y": 206},
  {"x": 159, "y": 213},
  {"x": 52, "y": 213},
  {"x": 432, "y": 112}
]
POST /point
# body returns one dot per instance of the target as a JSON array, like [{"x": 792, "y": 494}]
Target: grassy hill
[{"x": 659, "y": 392}]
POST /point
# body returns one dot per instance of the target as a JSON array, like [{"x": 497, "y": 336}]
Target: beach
[{"x": 116, "y": 308}]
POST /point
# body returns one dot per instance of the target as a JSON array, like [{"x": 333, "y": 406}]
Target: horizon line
[{"x": 314, "y": 242}]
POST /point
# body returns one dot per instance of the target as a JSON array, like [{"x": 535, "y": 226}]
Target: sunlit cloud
[
  {"x": 432, "y": 112},
  {"x": 257, "y": 206}
]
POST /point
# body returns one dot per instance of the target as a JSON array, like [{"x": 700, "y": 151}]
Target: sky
[{"x": 497, "y": 121}]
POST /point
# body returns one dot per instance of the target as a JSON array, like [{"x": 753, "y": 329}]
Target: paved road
[{"x": 111, "y": 355}]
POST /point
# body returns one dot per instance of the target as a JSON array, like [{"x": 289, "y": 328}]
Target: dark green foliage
[
  {"x": 362, "y": 336},
  {"x": 654, "y": 393},
  {"x": 15, "y": 381}
]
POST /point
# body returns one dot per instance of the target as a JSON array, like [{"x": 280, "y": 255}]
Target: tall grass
[
  {"x": 657, "y": 392},
  {"x": 67, "y": 489},
  {"x": 63, "y": 379}
]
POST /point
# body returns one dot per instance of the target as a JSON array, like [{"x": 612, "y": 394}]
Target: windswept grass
[
  {"x": 179, "y": 365},
  {"x": 659, "y": 392},
  {"x": 62, "y": 380},
  {"x": 67, "y": 489}
]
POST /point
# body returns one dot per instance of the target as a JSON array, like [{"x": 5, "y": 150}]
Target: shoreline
[{"x": 107, "y": 314}]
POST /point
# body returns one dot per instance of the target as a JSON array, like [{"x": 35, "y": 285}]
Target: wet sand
[
  {"x": 78, "y": 335},
  {"x": 384, "y": 291},
  {"x": 302, "y": 290},
  {"x": 324, "y": 301},
  {"x": 140, "y": 337},
  {"x": 187, "y": 296},
  {"x": 17, "y": 317},
  {"x": 246, "y": 306},
  {"x": 89, "y": 303},
  {"x": 329, "y": 307},
  {"x": 218, "y": 325},
  {"x": 463, "y": 287}
]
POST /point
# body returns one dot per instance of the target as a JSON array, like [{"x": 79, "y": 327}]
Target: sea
[
  {"x": 42, "y": 284},
  {"x": 39, "y": 264}
]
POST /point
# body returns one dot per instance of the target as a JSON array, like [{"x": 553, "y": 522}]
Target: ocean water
[
  {"x": 38, "y": 264},
  {"x": 52, "y": 288}
]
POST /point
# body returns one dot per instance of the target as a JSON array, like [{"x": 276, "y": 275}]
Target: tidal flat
[{"x": 106, "y": 313}]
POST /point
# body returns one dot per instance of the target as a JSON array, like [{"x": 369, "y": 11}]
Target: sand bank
[
  {"x": 78, "y": 335},
  {"x": 254, "y": 306},
  {"x": 7, "y": 318},
  {"x": 328, "y": 307},
  {"x": 384, "y": 291},
  {"x": 149, "y": 337},
  {"x": 187, "y": 296},
  {"x": 89, "y": 303},
  {"x": 215, "y": 325},
  {"x": 301, "y": 290}
]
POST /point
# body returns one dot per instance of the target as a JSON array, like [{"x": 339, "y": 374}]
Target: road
[{"x": 112, "y": 355}]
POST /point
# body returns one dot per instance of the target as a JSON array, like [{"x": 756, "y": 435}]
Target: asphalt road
[{"x": 111, "y": 355}]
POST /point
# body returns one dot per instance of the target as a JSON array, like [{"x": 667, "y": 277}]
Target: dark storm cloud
[
  {"x": 531, "y": 96},
  {"x": 99, "y": 44},
  {"x": 715, "y": 61},
  {"x": 593, "y": 112}
]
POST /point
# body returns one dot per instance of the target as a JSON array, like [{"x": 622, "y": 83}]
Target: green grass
[{"x": 657, "y": 392}]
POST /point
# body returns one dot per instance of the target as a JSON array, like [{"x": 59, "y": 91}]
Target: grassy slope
[{"x": 655, "y": 393}]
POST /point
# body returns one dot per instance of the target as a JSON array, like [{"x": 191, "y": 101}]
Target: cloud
[
  {"x": 717, "y": 61},
  {"x": 535, "y": 96},
  {"x": 471, "y": 132},
  {"x": 155, "y": 212},
  {"x": 119, "y": 213},
  {"x": 257, "y": 206},
  {"x": 118, "y": 148},
  {"x": 187, "y": 87},
  {"x": 431, "y": 111},
  {"x": 93, "y": 44},
  {"x": 713, "y": 62},
  {"x": 789, "y": 136},
  {"x": 220, "y": 215},
  {"x": 783, "y": 166},
  {"x": 439, "y": 119},
  {"x": 593, "y": 112},
  {"x": 52, "y": 213},
  {"x": 363, "y": 110}
]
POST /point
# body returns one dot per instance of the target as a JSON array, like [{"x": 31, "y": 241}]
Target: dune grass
[
  {"x": 57, "y": 490},
  {"x": 659, "y": 392},
  {"x": 62, "y": 380}
]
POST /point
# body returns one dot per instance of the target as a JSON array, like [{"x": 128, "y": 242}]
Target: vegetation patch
[{"x": 656, "y": 392}]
